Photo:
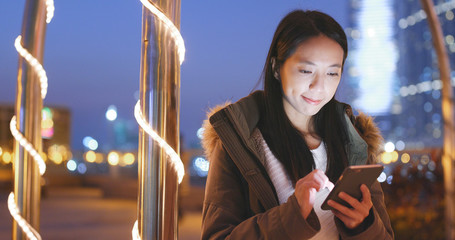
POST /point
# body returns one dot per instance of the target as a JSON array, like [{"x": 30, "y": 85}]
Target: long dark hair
[{"x": 284, "y": 140}]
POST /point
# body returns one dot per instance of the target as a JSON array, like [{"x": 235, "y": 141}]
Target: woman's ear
[{"x": 276, "y": 72}]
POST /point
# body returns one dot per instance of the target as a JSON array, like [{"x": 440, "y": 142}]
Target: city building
[{"x": 392, "y": 69}]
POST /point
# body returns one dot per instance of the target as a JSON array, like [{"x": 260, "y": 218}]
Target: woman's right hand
[{"x": 307, "y": 187}]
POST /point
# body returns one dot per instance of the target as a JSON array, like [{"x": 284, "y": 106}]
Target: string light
[
  {"x": 49, "y": 10},
  {"x": 27, "y": 146},
  {"x": 175, "y": 33},
  {"x": 28, "y": 230},
  {"x": 39, "y": 70},
  {"x": 135, "y": 232},
  {"x": 173, "y": 156},
  {"x": 34, "y": 63}
]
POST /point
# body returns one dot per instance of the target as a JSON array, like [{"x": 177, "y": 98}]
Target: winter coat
[{"x": 240, "y": 199}]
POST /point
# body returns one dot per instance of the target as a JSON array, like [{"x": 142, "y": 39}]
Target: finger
[
  {"x": 330, "y": 185},
  {"x": 349, "y": 199},
  {"x": 348, "y": 221},
  {"x": 323, "y": 180},
  {"x": 366, "y": 195},
  {"x": 339, "y": 207}
]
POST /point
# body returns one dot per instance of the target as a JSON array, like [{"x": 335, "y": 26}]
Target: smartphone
[{"x": 350, "y": 181}]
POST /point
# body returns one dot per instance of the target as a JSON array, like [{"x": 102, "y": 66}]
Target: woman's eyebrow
[{"x": 337, "y": 65}]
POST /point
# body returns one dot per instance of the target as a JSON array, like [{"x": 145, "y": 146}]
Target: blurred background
[{"x": 90, "y": 137}]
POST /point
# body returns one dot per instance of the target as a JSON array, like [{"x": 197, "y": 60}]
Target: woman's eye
[
  {"x": 305, "y": 71},
  {"x": 334, "y": 74}
]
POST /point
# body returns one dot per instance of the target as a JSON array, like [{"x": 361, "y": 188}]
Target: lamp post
[
  {"x": 160, "y": 106},
  {"x": 28, "y": 112},
  {"x": 448, "y": 155}
]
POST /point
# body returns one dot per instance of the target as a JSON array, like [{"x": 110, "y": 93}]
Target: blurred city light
[
  {"x": 405, "y": 158},
  {"x": 201, "y": 166},
  {"x": 7, "y": 157},
  {"x": 47, "y": 123},
  {"x": 389, "y": 179},
  {"x": 111, "y": 113},
  {"x": 43, "y": 156},
  {"x": 382, "y": 177},
  {"x": 90, "y": 143},
  {"x": 1, "y": 151},
  {"x": 200, "y": 133},
  {"x": 128, "y": 158},
  {"x": 394, "y": 156},
  {"x": 90, "y": 156},
  {"x": 389, "y": 147},
  {"x": 81, "y": 168},
  {"x": 113, "y": 158},
  {"x": 71, "y": 165},
  {"x": 425, "y": 159},
  {"x": 386, "y": 157},
  {"x": 400, "y": 145},
  {"x": 99, "y": 158}
]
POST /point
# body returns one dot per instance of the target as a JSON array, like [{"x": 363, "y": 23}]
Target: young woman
[{"x": 275, "y": 154}]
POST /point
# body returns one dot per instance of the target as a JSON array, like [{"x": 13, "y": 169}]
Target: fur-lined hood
[{"x": 364, "y": 125}]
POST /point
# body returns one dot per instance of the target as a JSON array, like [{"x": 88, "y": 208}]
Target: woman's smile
[{"x": 311, "y": 101}]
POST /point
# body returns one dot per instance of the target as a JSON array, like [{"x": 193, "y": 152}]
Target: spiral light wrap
[
  {"x": 29, "y": 231},
  {"x": 173, "y": 156}
]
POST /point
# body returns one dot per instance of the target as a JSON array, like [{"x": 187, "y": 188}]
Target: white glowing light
[
  {"x": 135, "y": 231},
  {"x": 389, "y": 147},
  {"x": 34, "y": 63},
  {"x": 71, "y": 165},
  {"x": 49, "y": 10},
  {"x": 174, "y": 157},
  {"x": 27, "y": 145},
  {"x": 170, "y": 25},
  {"x": 90, "y": 143},
  {"x": 31, "y": 233},
  {"x": 201, "y": 166},
  {"x": 111, "y": 113},
  {"x": 200, "y": 133},
  {"x": 382, "y": 177}
]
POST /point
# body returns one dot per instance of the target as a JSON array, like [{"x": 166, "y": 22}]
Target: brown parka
[{"x": 240, "y": 199}]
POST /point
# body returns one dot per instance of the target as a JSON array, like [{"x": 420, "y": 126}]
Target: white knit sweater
[{"x": 283, "y": 184}]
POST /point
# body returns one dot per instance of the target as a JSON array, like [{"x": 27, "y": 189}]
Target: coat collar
[{"x": 364, "y": 137}]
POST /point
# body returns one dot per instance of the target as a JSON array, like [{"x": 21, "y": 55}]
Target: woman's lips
[{"x": 311, "y": 101}]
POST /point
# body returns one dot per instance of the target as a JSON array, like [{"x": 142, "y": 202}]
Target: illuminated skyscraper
[{"x": 392, "y": 68}]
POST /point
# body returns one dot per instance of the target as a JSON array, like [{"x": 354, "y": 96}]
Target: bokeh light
[
  {"x": 405, "y": 158},
  {"x": 71, "y": 165},
  {"x": 7, "y": 157},
  {"x": 90, "y": 143},
  {"x": 201, "y": 165},
  {"x": 111, "y": 113},
  {"x": 113, "y": 158},
  {"x": 200, "y": 133},
  {"x": 389, "y": 147},
  {"x": 382, "y": 177},
  {"x": 81, "y": 168},
  {"x": 90, "y": 156},
  {"x": 128, "y": 158}
]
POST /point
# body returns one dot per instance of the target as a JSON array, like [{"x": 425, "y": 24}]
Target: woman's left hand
[{"x": 353, "y": 217}]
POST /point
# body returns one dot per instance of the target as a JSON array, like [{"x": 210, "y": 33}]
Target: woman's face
[{"x": 310, "y": 77}]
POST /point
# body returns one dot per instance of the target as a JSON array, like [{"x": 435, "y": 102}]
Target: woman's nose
[{"x": 317, "y": 84}]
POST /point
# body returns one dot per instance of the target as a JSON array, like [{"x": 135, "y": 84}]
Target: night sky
[{"x": 92, "y": 56}]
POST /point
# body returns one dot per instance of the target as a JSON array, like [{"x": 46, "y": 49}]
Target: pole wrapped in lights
[
  {"x": 175, "y": 33},
  {"x": 31, "y": 233},
  {"x": 37, "y": 67},
  {"x": 172, "y": 156}
]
